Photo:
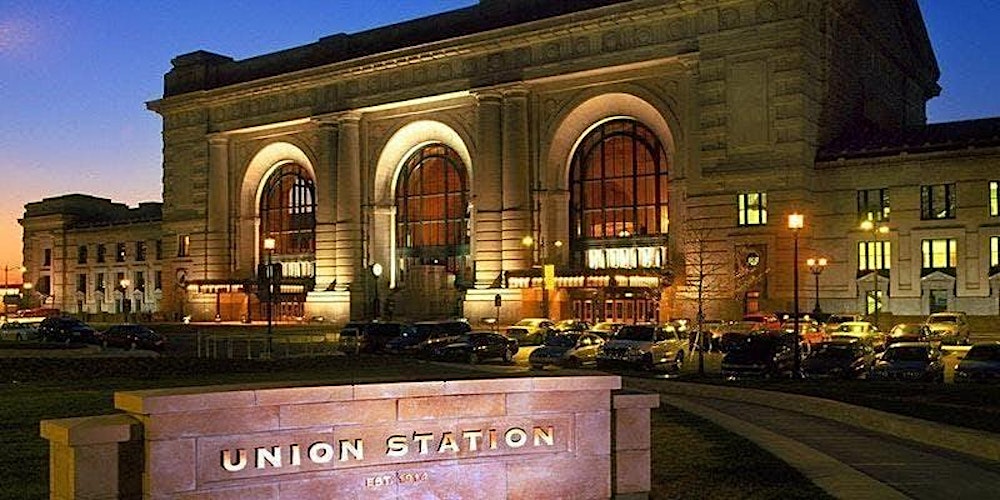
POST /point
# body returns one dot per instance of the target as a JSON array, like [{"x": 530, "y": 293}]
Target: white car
[
  {"x": 948, "y": 328},
  {"x": 530, "y": 331}
]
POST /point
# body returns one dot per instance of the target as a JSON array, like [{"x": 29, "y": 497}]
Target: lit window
[
  {"x": 994, "y": 254},
  {"x": 937, "y": 202},
  {"x": 873, "y": 255},
  {"x": 994, "y": 198},
  {"x": 183, "y": 245},
  {"x": 873, "y": 205},
  {"x": 288, "y": 214},
  {"x": 432, "y": 206},
  {"x": 752, "y": 209},
  {"x": 120, "y": 252},
  {"x": 939, "y": 254},
  {"x": 618, "y": 197}
]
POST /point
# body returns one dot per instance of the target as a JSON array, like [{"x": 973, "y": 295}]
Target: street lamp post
[
  {"x": 795, "y": 223},
  {"x": 376, "y": 272},
  {"x": 816, "y": 267},
  {"x": 868, "y": 225},
  {"x": 27, "y": 294},
  {"x": 269, "y": 274},
  {"x": 540, "y": 258},
  {"x": 124, "y": 283}
]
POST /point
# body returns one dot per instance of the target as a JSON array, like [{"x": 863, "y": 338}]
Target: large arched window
[
  {"x": 432, "y": 200},
  {"x": 288, "y": 214},
  {"x": 618, "y": 197}
]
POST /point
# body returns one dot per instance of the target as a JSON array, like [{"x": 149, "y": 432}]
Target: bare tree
[{"x": 710, "y": 273}]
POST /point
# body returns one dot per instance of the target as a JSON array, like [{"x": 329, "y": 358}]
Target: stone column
[
  {"x": 326, "y": 207},
  {"x": 348, "y": 224},
  {"x": 631, "y": 458},
  {"x": 217, "y": 234},
  {"x": 488, "y": 201},
  {"x": 516, "y": 175},
  {"x": 96, "y": 458},
  {"x": 381, "y": 239}
]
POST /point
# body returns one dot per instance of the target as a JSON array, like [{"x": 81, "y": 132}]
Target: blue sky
[{"x": 75, "y": 76}]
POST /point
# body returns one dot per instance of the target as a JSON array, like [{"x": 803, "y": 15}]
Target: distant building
[{"x": 602, "y": 159}]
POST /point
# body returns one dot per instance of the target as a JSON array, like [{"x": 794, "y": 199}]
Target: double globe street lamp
[{"x": 816, "y": 267}]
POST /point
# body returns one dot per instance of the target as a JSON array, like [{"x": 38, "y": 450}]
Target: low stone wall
[{"x": 544, "y": 437}]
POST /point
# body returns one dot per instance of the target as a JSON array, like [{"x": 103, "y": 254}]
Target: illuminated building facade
[{"x": 601, "y": 159}]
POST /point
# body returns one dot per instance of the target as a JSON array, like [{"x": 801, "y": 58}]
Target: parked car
[
  {"x": 571, "y": 325},
  {"x": 606, "y": 329},
  {"x": 910, "y": 361},
  {"x": 909, "y": 332},
  {"x": 835, "y": 320},
  {"x": 569, "y": 349},
  {"x": 763, "y": 321},
  {"x": 530, "y": 331},
  {"x": 66, "y": 329},
  {"x": 810, "y": 331},
  {"x": 16, "y": 330},
  {"x": 130, "y": 336},
  {"x": 980, "y": 364},
  {"x": 949, "y": 327},
  {"x": 842, "y": 358},
  {"x": 767, "y": 354},
  {"x": 644, "y": 346},
  {"x": 734, "y": 334},
  {"x": 864, "y": 330},
  {"x": 370, "y": 336},
  {"x": 474, "y": 347},
  {"x": 426, "y": 335}
]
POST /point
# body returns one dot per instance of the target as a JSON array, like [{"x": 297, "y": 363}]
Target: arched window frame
[
  {"x": 426, "y": 234},
  {"x": 288, "y": 211},
  {"x": 618, "y": 210}
]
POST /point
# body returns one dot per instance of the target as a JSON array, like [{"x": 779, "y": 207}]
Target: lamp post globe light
[
  {"x": 376, "y": 272},
  {"x": 816, "y": 267},
  {"x": 795, "y": 222},
  {"x": 269, "y": 274},
  {"x": 869, "y": 226}
]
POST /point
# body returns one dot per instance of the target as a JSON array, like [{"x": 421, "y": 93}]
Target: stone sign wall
[{"x": 543, "y": 437}]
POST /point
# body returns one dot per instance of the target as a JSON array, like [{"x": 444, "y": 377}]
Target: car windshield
[
  {"x": 839, "y": 319},
  {"x": 984, "y": 353},
  {"x": 853, "y": 328},
  {"x": 349, "y": 332},
  {"x": 528, "y": 322},
  {"x": 643, "y": 333},
  {"x": 758, "y": 344},
  {"x": 838, "y": 351},
  {"x": 564, "y": 340},
  {"x": 944, "y": 319},
  {"x": 906, "y": 353}
]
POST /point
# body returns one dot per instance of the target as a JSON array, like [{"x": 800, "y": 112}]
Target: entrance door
[{"x": 939, "y": 301}]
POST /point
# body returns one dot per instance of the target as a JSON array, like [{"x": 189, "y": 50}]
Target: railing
[{"x": 257, "y": 345}]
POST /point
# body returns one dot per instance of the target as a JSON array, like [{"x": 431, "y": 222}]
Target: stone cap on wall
[{"x": 158, "y": 401}]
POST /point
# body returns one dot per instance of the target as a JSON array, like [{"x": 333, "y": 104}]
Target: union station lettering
[{"x": 422, "y": 445}]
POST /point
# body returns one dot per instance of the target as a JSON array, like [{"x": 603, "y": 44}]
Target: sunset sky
[{"x": 75, "y": 76}]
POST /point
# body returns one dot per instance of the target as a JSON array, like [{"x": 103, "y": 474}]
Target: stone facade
[{"x": 745, "y": 96}]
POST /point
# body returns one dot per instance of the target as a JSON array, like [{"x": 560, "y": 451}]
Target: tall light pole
[
  {"x": 126, "y": 304},
  {"x": 795, "y": 222},
  {"x": 376, "y": 272},
  {"x": 269, "y": 274},
  {"x": 816, "y": 267},
  {"x": 879, "y": 256}
]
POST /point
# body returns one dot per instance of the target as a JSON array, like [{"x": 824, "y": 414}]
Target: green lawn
[{"x": 692, "y": 458}]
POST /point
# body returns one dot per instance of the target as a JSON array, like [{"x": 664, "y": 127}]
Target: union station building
[{"x": 601, "y": 159}]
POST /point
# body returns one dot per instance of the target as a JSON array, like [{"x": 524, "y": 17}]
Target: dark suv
[
  {"x": 370, "y": 336},
  {"x": 428, "y": 335},
  {"x": 133, "y": 337},
  {"x": 66, "y": 329}
]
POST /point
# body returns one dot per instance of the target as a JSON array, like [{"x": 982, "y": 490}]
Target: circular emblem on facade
[
  {"x": 181, "y": 278},
  {"x": 753, "y": 259}
]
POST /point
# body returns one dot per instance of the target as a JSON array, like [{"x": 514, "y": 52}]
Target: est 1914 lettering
[{"x": 375, "y": 482}]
